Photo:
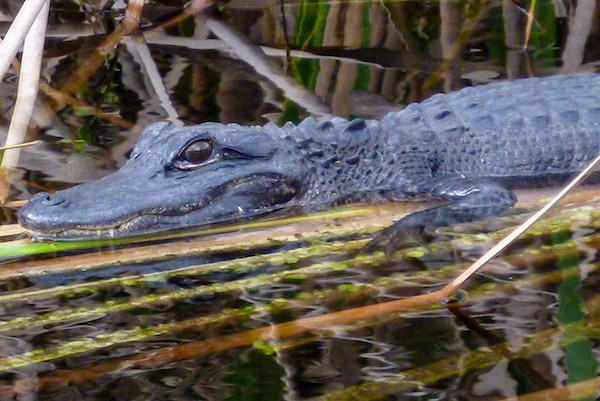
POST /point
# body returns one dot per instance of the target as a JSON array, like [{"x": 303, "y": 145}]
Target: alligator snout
[{"x": 42, "y": 211}]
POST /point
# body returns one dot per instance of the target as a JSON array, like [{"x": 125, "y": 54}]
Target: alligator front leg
[{"x": 469, "y": 200}]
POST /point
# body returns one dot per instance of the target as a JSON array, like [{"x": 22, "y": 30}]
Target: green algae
[
  {"x": 233, "y": 286},
  {"x": 345, "y": 292},
  {"x": 342, "y": 295},
  {"x": 238, "y": 266},
  {"x": 119, "y": 337},
  {"x": 178, "y": 295},
  {"x": 416, "y": 253}
]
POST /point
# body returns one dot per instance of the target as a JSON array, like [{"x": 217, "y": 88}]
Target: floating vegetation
[{"x": 318, "y": 258}]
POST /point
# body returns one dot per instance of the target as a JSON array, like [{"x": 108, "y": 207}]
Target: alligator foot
[
  {"x": 396, "y": 237},
  {"x": 469, "y": 200}
]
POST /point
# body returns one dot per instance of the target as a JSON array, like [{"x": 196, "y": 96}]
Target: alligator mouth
[
  {"x": 278, "y": 189},
  {"x": 133, "y": 226}
]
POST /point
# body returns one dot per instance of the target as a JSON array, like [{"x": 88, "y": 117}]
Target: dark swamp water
[{"x": 214, "y": 315}]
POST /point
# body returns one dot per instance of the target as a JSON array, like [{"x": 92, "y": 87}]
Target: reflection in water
[{"x": 237, "y": 316}]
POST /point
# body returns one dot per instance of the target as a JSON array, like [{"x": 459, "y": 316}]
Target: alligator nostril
[{"x": 52, "y": 200}]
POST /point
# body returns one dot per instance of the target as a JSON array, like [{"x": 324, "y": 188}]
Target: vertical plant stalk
[
  {"x": 451, "y": 14},
  {"x": 530, "y": 19},
  {"x": 514, "y": 28},
  {"x": 17, "y": 31},
  {"x": 286, "y": 35},
  {"x": 578, "y": 36},
  {"x": 33, "y": 50},
  {"x": 454, "y": 41}
]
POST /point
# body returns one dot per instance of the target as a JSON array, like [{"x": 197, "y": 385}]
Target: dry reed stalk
[
  {"x": 33, "y": 50},
  {"x": 17, "y": 32}
]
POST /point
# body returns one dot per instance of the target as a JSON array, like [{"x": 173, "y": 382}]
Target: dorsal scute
[
  {"x": 407, "y": 125},
  {"x": 338, "y": 132},
  {"x": 270, "y": 127}
]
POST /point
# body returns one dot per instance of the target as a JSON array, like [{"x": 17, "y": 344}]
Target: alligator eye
[
  {"x": 197, "y": 152},
  {"x": 194, "y": 155}
]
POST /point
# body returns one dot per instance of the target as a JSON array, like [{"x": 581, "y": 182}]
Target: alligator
[{"x": 468, "y": 148}]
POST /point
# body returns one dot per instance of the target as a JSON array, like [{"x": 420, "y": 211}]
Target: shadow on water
[{"x": 264, "y": 310}]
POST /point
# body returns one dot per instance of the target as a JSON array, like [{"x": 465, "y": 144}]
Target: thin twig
[
  {"x": 500, "y": 246},
  {"x": 20, "y": 145},
  {"x": 196, "y": 349}
]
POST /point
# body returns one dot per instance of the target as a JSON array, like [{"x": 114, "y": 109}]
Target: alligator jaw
[
  {"x": 244, "y": 198},
  {"x": 73, "y": 234}
]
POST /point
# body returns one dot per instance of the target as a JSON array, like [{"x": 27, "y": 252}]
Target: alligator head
[{"x": 176, "y": 177}]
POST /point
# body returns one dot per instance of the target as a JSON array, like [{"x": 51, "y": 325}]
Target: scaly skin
[{"x": 468, "y": 147}]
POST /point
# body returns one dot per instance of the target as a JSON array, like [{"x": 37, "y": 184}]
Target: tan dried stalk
[
  {"x": 17, "y": 32},
  {"x": 33, "y": 49}
]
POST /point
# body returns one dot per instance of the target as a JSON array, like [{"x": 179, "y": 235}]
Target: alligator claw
[{"x": 395, "y": 237}]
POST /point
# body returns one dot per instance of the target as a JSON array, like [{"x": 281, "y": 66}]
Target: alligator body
[{"x": 468, "y": 148}]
